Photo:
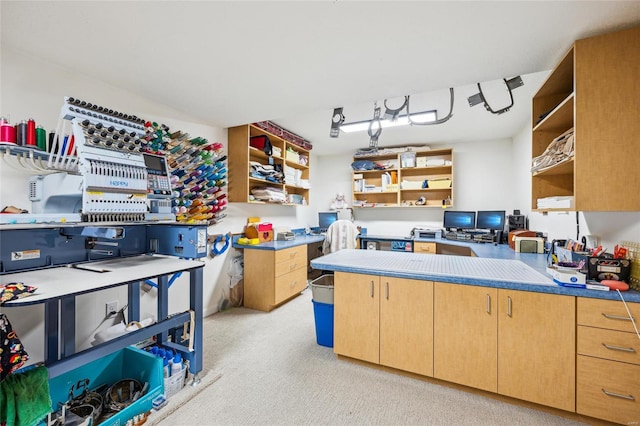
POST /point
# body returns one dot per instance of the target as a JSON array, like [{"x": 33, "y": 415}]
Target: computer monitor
[
  {"x": 325, "y": 219},
  {"x": 459, "y": 220},
  {"x": 492, "y": 220}
]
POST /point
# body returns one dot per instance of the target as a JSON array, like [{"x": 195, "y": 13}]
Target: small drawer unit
[
  {"x": 608, "y": 360},
  {"x": 271, "y": 277},
  {"x": 426, "y": 248}
]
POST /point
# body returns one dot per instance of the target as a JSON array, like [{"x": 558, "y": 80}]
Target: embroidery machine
[{"x": 100, "y": 218}]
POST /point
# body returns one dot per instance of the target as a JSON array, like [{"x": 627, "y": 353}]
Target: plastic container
[
  {"x": 322, "y": 289},
  {"x": 174, "y": 383},
  {"x": 128, "y": 363},
  {"x": 176, "y": 365},
  {"x": 323, "y": 313}
]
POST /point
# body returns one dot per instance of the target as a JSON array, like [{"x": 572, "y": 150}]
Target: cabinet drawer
[
  {"x": 290, "y": 284},
  {"x": 609, "y": 344},
  {"x": 608, "y": 390},
  {"x": 298, "y": 252},
  {"x": 290, "y": 265},
  {"x": 429, "y": 248},
  {"x": 610, "y": 314}
]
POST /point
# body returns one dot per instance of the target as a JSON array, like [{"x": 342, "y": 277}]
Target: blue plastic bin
[
  {"x": 323, "y": 313},
  {"x": 128, "y": 363}
]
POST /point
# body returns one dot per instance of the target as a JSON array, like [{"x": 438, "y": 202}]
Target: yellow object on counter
[
  {"x": 249, "y": 241},
  {"x": 253, "y": 220}
]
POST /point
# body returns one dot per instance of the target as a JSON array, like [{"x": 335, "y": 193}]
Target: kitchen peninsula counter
[
  {"x": 493, "y": 266},
  {"x": 491, "y": 321}
]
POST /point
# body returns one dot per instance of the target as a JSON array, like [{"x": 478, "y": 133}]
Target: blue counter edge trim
[
  {"x": 629, "y": 296},
  {"x": 280, "y": 245}
]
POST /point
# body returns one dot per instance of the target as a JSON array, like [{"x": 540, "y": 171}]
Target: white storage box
[{"x": 567, "y": 277}]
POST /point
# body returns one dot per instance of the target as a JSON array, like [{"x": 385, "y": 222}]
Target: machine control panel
[{"x": 158, "y": 178}]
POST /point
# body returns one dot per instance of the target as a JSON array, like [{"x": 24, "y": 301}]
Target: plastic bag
[{"x": 236, "y": 282}]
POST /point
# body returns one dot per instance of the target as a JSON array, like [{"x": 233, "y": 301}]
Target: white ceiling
[{"x": 234, "y": 62}]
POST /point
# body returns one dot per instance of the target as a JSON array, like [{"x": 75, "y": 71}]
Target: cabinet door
[
  {"x": 406, "y": 325},
  {"x": 259, "y": 273},
  {"x": 536, "y": 348},
  {"x": 357, "y": 316},
  {"x": 466, "y": 335}
]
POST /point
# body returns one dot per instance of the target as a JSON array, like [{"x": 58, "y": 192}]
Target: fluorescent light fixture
[{"x": 402, "y": 120}]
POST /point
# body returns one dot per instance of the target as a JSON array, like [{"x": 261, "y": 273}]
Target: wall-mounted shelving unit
[
  {"x": 241, "y": 154},
  {"x": 593, "y": 90},
  {"x": 407, "y": 171}
]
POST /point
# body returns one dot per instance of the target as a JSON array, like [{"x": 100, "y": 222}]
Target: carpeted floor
[{"x": 266, "y": 369}]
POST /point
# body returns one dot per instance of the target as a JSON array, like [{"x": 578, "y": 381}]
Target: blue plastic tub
[
  {"x": 128, "y": 363},
  {"x": 323, "y": 313}
]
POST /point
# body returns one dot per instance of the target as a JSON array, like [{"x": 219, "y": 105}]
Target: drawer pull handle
[
  {"x": 371, "y": 288},
  {"x": 509, "y": 313},
  {"x": 488, "y": 304},
  {"x": 292, "y": 266},
  {"x": 618, "y": 395},
  {"x": 618, "y": 348},
  {"x": 616, "y": 317},
  {"x": 386, "y": 291}
]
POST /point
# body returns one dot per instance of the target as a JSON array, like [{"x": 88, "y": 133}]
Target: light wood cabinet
[
  {"x": 272, "y": 277},
  {"x": 241, "y": 154},
  {"x": 356, "y": 316},
  {"x": 536, "y": 347},
  {"x": 594, "y": 90},
  {"x": 400, "y": 183},
  {"x": 608, "y": 361},
  {"x": 384, "y": 320},
  {"x": 518, "y": 344},
  {"x": 466, "y": 335},
  {"x": 406, "y": 325}
]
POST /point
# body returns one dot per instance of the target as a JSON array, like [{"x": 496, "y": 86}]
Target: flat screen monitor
[
  {"x": 459, "y": 220},
  {"x": 325, "y": 219},
  {"x": 492, "y": 220}
]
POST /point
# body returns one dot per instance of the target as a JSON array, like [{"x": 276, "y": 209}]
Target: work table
[{"x": 495, "y": 266}]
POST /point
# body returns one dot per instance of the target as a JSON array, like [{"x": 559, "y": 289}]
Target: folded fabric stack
[
  {"x": 266, "y": 172},
  {"x": 292, "y": 176},
  {"x": 304, "y": 183},
  {"x": 269, "y": 194}
]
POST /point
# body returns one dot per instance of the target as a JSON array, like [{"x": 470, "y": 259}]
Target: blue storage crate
[
  {"x": 128, "y": 363},
  {"x": 323, "y": 313}
]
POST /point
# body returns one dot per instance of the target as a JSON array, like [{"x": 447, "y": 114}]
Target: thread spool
[
  {"x": 21, "y": 133},
  {"x": 31, "y": 134},
  {"x": 41, "y": 138},
  {"x": 7, "y": 131}
]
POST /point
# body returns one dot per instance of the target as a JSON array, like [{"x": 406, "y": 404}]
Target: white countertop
[{"x": 57, "y": 282}]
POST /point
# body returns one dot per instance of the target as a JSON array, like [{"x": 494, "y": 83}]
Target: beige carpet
[{"x": 266, "y": 369}]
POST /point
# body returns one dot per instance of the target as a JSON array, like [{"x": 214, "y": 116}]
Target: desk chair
[{"x": 341, "y": 234}]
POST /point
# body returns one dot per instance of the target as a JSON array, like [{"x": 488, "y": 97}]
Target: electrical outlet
[{"x": 111, "y": 308}]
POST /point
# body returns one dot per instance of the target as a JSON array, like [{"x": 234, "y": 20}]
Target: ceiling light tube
[{"x": 403, "y": 120}]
